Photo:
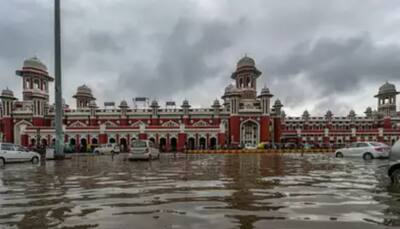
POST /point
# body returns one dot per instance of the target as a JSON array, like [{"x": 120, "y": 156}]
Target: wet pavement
[{"x": 199, "y": 191}]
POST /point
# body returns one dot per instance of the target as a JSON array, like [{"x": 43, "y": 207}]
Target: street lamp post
[{"x": 59, "y": 152}]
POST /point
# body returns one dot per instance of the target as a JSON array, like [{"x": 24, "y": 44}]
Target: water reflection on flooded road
[{"x": 199, "y": 191}]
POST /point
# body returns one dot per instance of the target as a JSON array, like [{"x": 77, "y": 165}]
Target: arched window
[
  {"x": 36, "y": 84},
  {"x": 27, "y": 84}
]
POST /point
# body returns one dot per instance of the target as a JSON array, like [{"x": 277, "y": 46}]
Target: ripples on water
[{"x": 199, "y": 191}]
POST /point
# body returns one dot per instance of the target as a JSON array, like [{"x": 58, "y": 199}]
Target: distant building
[{"x": 243, "y": 117}]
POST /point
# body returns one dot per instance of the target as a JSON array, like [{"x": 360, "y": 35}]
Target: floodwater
[{"x": 199, "y": 191}]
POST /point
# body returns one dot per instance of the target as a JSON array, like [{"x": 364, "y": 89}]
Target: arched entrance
[
  {"x": 33, "y": 142},
  {"x": 163, "y": 144},
  {"x": 44, "y": 142},
  {"x": 202, "y": 143},
  {"x": 191, "y": 143},
  {"x": 94, "y": 144},
  {"x": 249, "y": 133},
  {"x": 123, "y": 144},
  {"x": 213, "y": 143},
  {"x": 83, "y": 146},
  {"x": 72, "y": 143},
  {"x": 174, "y": 144},
  {"x": 152, "y": 140},
  {"x": 111, "y": 140},
  {"x": 94, "y": 141}
]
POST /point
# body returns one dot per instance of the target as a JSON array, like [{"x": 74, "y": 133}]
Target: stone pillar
[
  {"x": 234, "y": 127},
  {"x": 8, "y": 129},
  {"x": 221, "y": 139},
  {"x": 181, "y": 141},
  {"x": 277, "y": 130},
  {"x": 103, "y": 138},
  {"x": 78, "y": 143},
  {"x": 264, "y": 129},
  {"x": 142, "y": 136},
  {"x": 25, "y": 140}
]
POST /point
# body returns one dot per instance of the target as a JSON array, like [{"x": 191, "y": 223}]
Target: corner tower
[
  {"x": 36, "y": 81},
  {"x": 245, "y": 76},
  {"x": 387, "y": 99}
]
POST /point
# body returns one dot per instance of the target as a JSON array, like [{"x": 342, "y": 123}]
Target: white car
[
  {"x": 365, "y": 150},
  {"x": 394, "y": 163},
  {"x": 143, "y": 150},
  {"x": 250, "y": 146},
  {"x": 107, "y": 149},
  {"x": 14, "y": 153}
]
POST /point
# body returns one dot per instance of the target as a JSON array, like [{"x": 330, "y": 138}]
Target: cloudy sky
[{"x": 314, "y": 54}]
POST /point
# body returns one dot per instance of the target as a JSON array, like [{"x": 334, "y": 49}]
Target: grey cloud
[
  {"x": 335, "y": 66},
  {"x": 184, "y": 61}
]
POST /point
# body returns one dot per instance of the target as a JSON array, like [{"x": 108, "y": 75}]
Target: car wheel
[
  {"x": 2, "y": 162},
  {"x": 368, "y": 156},
  {"x": 395, "y": 177},
  {"x": 35, "y": 160},
  {"x": 339, "y": 155}
]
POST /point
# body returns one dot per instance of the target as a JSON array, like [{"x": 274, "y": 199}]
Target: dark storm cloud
[
  {"x": 101, "y": 41},
  {"x": 185, "y": 60},
  {"x": 335, "y": 66},
  {"x": 306, "y": 49}
]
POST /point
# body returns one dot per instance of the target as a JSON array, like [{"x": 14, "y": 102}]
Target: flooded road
[{"x": 199, "y": 191}]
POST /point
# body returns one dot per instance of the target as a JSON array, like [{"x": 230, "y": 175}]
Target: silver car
[
  {"x": 365, "y": 150},
  {"x": 143, "y": 150},
  {"x": 14, "y": 153},
  {"x": 394, "y": 163}
]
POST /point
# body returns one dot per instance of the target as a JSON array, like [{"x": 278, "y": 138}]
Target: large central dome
[
  {"x": 246, "y": 61},
  {"x": 34, "y": 62}
]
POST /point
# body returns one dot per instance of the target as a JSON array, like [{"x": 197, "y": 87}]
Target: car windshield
[
  {"x": 139, "y": 144},
  {"x": 375, "y": 144}
]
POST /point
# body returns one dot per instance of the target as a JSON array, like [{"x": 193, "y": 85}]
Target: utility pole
[{"x": 59, "y": 147}]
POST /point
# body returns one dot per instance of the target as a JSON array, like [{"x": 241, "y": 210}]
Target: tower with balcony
[
  {"x": 36, "y": 81},
  {"x": 387, "y": 100}
]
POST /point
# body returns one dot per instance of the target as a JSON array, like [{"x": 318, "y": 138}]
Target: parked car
[
  {"x": 143, "y": 150},
  {"x": 250, "y": 146},
  {"x": 394, "y": 163},
  {"x": 365, "y": 150},
  {"x": 107, "y": 149},
  {"x": 14, "y": 153}
]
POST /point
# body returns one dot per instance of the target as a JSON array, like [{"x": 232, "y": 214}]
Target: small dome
[
  {"x": 123, "y": 104},
  {"x": 387, "y": 88},
  {"x": 245, "y": 61},
  {"x": 84, "y": 89},
  {"x": 229, "y": 88},
  {"x": 278, "y": 103},
  {"x": 216, "y": 103},
  {"x": 92, "y": 104},
  {"x": 265, "y": 92},
  {"x": 7, "y": 93},
  {"x": 306, "y": 114},
  {"x": 34, "y": 62},
  {"x": 352, "y": 114},
  {"x": 185, "y": 103},
  {"x": 154, "y": 103},
  {"x": 329, "y": 114},
  {"x": 283, "y": 114}
]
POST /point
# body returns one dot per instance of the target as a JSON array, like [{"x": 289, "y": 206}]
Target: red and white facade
[{"x": 244, "y": 117}]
